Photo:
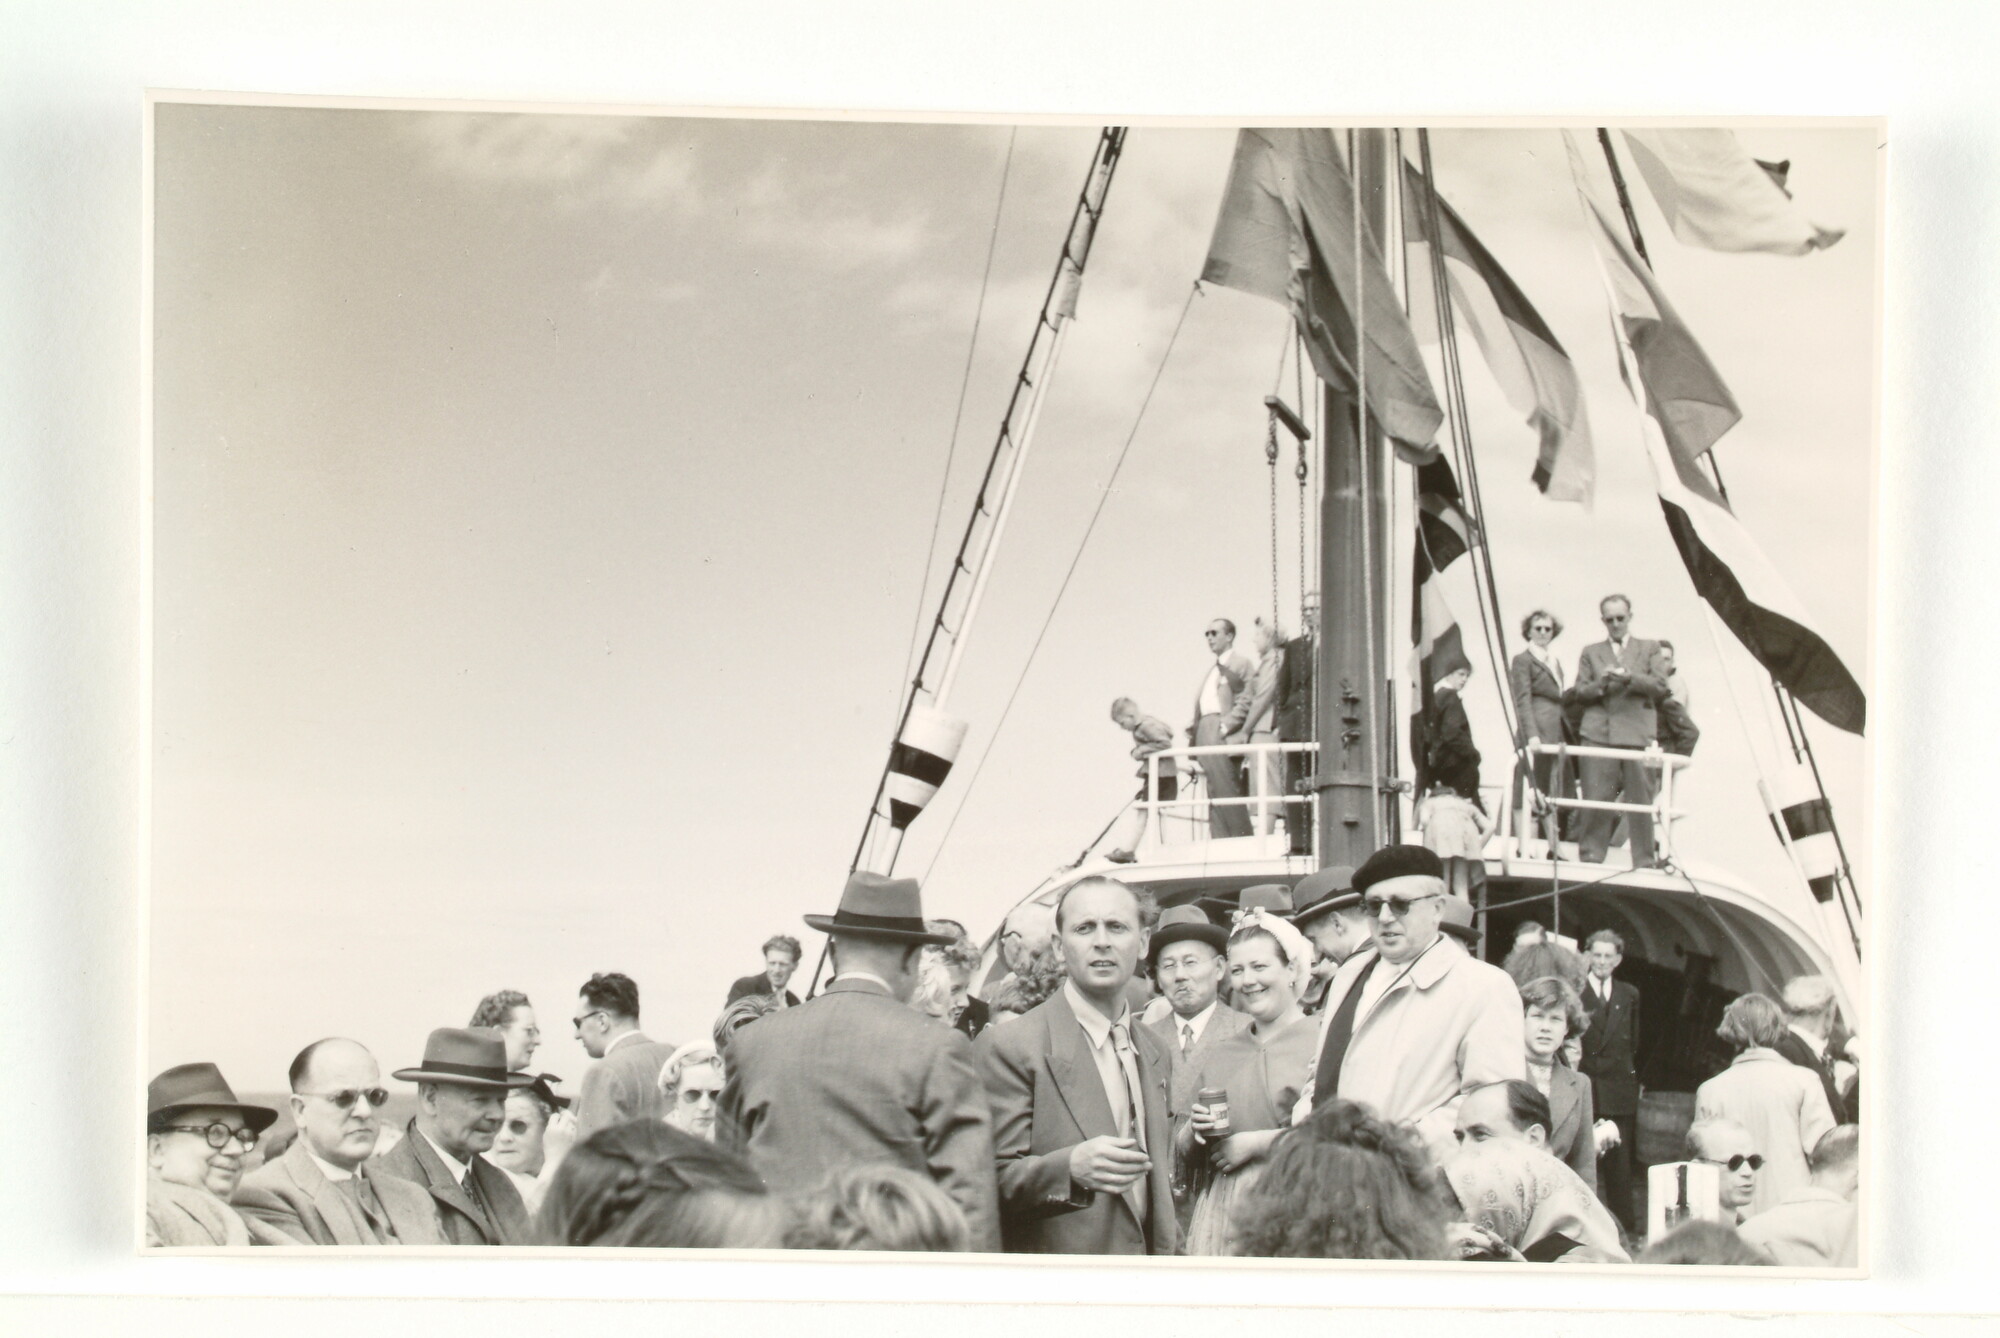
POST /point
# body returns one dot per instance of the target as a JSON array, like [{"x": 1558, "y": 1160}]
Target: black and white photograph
[{"x": 1158, "y": 691}]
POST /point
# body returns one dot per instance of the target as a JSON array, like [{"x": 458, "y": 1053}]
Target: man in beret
[{"x": 1414, "y": 1022}]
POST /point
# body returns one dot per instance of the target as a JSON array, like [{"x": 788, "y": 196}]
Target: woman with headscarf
[
  {"x": 197, "y": 1133},
  {"x": 1224, "y": 1151},
  {"x": 1520, "y": 1203}
]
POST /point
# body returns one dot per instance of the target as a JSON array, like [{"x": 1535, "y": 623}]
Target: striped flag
[
  {"x": 1716, "y": 195},
  {"x": 1527, "y": 360},
  {"x": 1660, "y": 360},
  {"x": 1444, "y": 531},
  {"x": 920, "y": 763},
  {"x": 1287, "y": 231},
  {"x": 1440, "y": 649}
]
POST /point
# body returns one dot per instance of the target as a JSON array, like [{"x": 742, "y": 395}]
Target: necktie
[
  {"x": 1187, "y": 1038},
  {"x": 1339, "y": 1031},
  {"x": 472, "y": 1192},
  {"x": 358, "y": 1193},
  {"x": 1134, "y": 1119}
]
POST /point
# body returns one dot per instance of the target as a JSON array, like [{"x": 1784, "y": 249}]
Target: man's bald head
[{"x": 337, "y": 1099}]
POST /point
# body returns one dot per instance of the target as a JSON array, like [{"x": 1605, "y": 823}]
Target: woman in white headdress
[{"x": 1224, "y": 1151}]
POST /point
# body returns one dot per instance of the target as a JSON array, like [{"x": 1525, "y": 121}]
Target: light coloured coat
[
  {"x": 1444, "y": 1026},
  {"x": 1785, "y": 1111},
  {"x": 294, "y": 1196},
  {"x": 1814, "y": 1228}
]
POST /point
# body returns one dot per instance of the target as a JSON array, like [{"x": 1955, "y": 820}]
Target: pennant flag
[
  {"x": 1727, "y": 566},
  {"x": 1444, "y": 531},
  {"x": 1287, "y": 232},
  {"x": 1440, "y": 649},
  {"x": 1683, "y": 389},
  {"x": 1716, "y": 195},
  {"x": 920, "y": 762},
  {"x": 1534, "y": 372}
]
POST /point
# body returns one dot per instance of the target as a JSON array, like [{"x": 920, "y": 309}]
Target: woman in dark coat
[
  {"x": 1450, "y": 756},
  {"x": 1537, "y": 680}
]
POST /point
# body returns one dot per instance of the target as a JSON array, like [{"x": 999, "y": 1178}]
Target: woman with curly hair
[
  {"x": 1345, "y": 1185},
  {"x": 879, "y": 1208},
  {"x": 1782, "y": 1105},
  {"x": 647, "y": 1184}
]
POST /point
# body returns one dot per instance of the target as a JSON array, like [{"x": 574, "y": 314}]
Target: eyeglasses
[
  {"x": 1618, "y": 617},
  {"x": 1398, "y": 906},
  {"x": 218, "y": 1134},
  {"x": 1213, "y": 631},
  {"x": 578, "y": 1022},
  {"x": 347, "y": 1096},
  {"x": 1736, "y": 1163}
]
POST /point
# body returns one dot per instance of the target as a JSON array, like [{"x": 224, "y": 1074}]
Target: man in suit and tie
[
  {"x": 1186, "y": 953},
  {"x": 1611, "y": 1062},
  {"x": 1221, "y": 706},
  {"x": 1295, "y": 721},
  {"x": 1082, "y": 1117},
  {"x": 462, "y": 1088},
  {"x": 1414, "y": 1022},
  {"x": 323, "y": 1191},
  {"x": 1618, "y": 682},
  {"x": 624, "y": 1084},
  {"x": 856, "y": 1077},
  {"x": 1810, "y": 1011}
]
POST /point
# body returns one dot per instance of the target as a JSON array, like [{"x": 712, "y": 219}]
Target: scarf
[{"x": 1522, "y": 1194}]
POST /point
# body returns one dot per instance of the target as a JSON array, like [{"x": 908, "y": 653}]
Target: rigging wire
[
  {"x": 957, "y": 422},
  {"x": 1374, "y": 680},
  {"x": 1104, "y": 497}
]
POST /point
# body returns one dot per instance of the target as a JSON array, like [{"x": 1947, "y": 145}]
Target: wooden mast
[{"x": 1350, "y": 676}]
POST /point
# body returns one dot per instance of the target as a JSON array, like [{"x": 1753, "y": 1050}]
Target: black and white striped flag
[{"x": 921, "y": 761}]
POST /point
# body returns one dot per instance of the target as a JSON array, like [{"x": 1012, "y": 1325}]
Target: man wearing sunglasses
[
  {"x": 324, "y": 1190},
  {"x": 1619, "y": 683},
  {"x": 1413, "y": 1022},
  {"x": 1728, "y": 1146}
]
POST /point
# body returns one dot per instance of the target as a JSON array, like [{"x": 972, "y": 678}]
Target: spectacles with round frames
[
  {"x": 1753, "y": 1160},
  {"x": 218, "y": 1134},
  {"x": 347, "y": 1096},
  {"x": 1398, "y": 906}
]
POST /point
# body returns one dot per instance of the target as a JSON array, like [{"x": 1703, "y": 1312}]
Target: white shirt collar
[
  {"x": 633, "y": 1035},
  {"x": 1542, "y": 653},
  {"x": 869, "y": 976},
  {"x": 451, "y": 1163},
  {"x": 1199, "y": 1021},
  {"x": 1095, "y": 1024},
  {"x": 332, "y": 1172}
]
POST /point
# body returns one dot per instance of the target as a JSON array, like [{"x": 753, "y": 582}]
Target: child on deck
[{"x": 1455, "y": 829}]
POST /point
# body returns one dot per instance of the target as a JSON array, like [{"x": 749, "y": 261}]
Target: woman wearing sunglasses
[
  {"x": 197, "y": 1133},
  {"x": 1782, "y": 1105}
]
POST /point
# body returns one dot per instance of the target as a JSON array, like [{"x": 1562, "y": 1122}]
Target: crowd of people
[
  {"x": 1626, "y": 693},
  {"x": 1332, "y": 1074}
]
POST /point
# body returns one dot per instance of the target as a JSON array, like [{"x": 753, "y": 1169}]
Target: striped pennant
[{"x": 921, "y": 761}]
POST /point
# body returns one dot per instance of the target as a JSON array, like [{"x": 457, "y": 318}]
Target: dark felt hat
[
  {"x": 199, "y": 1086},
  {"x": 1331, "y": 889},
  {"x": 468, "y": 1056},
  {"x": 1397, "y": 862},
  {"x": 880, "y": 907},
  {"x": 1458, "y": 921},
  {"x": 1272, "y": 898},
  {"x": 1178, "y": 924}
]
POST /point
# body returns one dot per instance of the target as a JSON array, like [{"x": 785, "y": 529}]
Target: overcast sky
[{"x": 541, "y": 509}]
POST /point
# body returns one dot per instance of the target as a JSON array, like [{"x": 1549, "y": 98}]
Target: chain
[{"x": 1271, "y": 459}]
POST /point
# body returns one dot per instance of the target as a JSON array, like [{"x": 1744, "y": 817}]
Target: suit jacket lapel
[
  {"x": 1075, "y": 1071},
  {"x": 1562, "y": 1100},
  {"x": 326, "y": 1200},
  {"x": 438, "y": 1179}
]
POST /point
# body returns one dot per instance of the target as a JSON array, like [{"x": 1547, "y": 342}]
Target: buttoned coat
[
  {"x": 1573, "y": 1141},
  {"x": 460, "y": 1219},
  {"x": 1446, "y": 1024},
  {"x": 1047, "y": 1097},
  {"x": 1234, "y": 691},
  {"x": 294, "y": 1196},
  {"x": 1620, "y": 716},
  {"x": 624, "y": 1085},
  {"x": 855, "y": 1078},
  {"x": 1538, "y": 700},
  {"x": 1785, "y": 1111},
  {"x": 1610, "y": 1056},
  {"x": 1185, "y": 1071}
]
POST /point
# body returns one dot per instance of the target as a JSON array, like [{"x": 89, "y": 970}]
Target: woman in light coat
[{"x": 1782, "y": 1105}]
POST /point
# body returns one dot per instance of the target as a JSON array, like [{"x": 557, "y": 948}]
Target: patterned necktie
[
  {"x": 359, "y": 1193},
  {"x": 1187, "y": 1038},
  {"x": 1133, "y": 1125}
]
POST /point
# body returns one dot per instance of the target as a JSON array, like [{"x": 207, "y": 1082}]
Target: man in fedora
[
  {"x": 196, "y": 1135},
  {"x": 1331, "y": 917},
  {"x": 1414, "y": 1022},
  {"x": 1082, "y": 1114},
  {"x": 856, "y": 1077},
  {"x": 323, "y": 1191},
  {"x": 462, "y": 1088},
  {"x": 1186, "y": 955},
  {"x": 624, "y": 1084}
]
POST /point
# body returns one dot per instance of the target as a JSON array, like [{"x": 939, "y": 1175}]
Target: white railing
[
  {"x": 1528, "y": 829},
  {"x": 1185, "y": 819}
]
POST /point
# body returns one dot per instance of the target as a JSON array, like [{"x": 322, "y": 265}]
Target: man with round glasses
[
  {"x": 323, "y": 1190},
  {"x": 1413, "y": 1022},
  {"x": 1729, "y": 1147},
  {"x": 197, "y": 1133}
]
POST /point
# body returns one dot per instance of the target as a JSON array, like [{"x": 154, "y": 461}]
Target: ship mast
[{"x": 1351, "y": 668}]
